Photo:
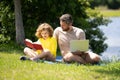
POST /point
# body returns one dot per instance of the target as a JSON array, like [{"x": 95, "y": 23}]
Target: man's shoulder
[
  {"x": 58, "y": 29},
  {"x": 78, "y": 29}
]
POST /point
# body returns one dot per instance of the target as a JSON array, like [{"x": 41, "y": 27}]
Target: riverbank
[
  {"x": 110, "y": 13},
  {"x": 102, "y": 10}
]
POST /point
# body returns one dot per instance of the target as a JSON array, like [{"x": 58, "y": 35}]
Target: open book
[{"x": 33, "y": 45}]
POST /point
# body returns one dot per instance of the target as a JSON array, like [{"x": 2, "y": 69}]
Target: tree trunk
[{"x": 19, "y": 23}]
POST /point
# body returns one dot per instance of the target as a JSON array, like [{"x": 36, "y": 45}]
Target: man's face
[{"x": 65, "y": 27}]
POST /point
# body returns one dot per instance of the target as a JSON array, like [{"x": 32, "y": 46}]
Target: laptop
[{"x": 81, "y": 45}]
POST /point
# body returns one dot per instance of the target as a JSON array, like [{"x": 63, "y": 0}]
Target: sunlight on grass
[
  {"x": 14, "y": 69},
  {"x": 11, "y": 68},
  {"x": 109, "y": 13},
  {"x": 104, "y": 12}
]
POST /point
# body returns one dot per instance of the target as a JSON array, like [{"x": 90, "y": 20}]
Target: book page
[
  {"x": 28, "y": 40},
  {"x": 34, "y": 45},
  {"x": 28, "y": 43},
  {"x": 37, "y": 46}
]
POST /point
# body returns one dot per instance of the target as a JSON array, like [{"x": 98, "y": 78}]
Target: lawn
[
  {"x": 11, "y": 68},
  {"x": 105, "y": 12},
  {"x": 109, "y": 13}
]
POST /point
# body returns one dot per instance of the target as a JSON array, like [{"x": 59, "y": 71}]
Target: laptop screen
[{"x": 81, "y": 45}]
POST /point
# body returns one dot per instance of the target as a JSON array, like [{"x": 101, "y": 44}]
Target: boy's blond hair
[{"x": 42, "y": 27}]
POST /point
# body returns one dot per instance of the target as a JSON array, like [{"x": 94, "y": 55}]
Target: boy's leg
[
  {"x": 44, "y": 55},
  {"x": 29, "y": 52}
]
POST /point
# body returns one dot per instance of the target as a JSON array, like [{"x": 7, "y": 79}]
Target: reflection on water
[
  {"x": 112, "y": 52},
  {"x": 112, "y": 32}
]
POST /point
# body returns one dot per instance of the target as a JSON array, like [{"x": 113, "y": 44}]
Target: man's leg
[
  {"x": 92, "y": 57},
  {"x": 69, "y": 57}
]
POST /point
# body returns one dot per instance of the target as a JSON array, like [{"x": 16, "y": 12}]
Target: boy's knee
[
  {"x": 47, "y": 51},
  {"x": 26, "y": 49}
]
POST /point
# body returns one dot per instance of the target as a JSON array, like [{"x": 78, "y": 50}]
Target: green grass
[
  {"x": 105, "y": 12},
  {"x": 11, "y": 68},
  {"x": 110, "y": 13}
]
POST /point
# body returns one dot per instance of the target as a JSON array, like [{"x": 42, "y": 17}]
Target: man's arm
[
  {"x": 55, "y": 33},
  {"x": 81, "y": 35}
]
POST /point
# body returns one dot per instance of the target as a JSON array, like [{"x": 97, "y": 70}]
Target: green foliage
[
  {"x": 111, "y": 4},
  {"x": 95, "y": 35},
  {"x": 35, "y": 12},
  {"x": 3, "y": 36},
  {"x": 11, "y": 48},
  {"x": 7, "y": 28}
]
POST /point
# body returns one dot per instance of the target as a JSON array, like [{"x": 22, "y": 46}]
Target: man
[{"x": 65, "y": 34}]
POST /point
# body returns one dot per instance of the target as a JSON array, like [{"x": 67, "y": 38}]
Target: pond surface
[{"x": 112, "y": 32}]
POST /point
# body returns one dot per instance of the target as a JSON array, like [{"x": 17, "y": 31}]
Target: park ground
[{"x": 11, "y": 68}]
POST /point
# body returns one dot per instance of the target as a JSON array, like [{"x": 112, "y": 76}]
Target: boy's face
[
  {"x": 65, "y": 26},
  {"x": 45, "y": 34}
]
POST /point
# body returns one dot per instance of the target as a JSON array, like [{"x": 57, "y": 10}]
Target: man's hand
[{"x": 78, "y": 52}]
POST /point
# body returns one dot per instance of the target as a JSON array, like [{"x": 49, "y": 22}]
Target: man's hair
[{"x": 67, "y": 18}]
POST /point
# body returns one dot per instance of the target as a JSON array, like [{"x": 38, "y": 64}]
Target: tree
[
  {"x": 38, "y": 11},
  {"x": 111, "y": 4},
  {"x": 6, "y": 21},
  {"x": 19, "y": 23}
]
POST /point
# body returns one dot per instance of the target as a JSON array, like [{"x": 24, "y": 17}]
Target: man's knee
[
  {"x": 67, "y": 58},
  {"x": 97, "y": 59},
  {"x": 92, "y": 57}
]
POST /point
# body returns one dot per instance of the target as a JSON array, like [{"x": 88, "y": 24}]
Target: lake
[{"x": 112, "y": 32}]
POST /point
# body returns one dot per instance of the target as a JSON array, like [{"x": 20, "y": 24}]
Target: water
[{"x": 112, "y": 32}]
